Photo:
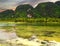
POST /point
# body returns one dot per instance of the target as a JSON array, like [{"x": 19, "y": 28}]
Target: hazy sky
[{"x": 11, "y": 4}]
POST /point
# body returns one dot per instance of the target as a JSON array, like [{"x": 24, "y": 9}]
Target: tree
[
  {"x": 21, "y": 10},
  {"x": 7, "y": 14},
  {"x": 57, "y": 9},
  {"x": 57, "y": 3}
]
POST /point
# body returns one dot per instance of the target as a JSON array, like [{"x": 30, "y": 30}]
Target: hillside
[{"x": 47, "y": 9}]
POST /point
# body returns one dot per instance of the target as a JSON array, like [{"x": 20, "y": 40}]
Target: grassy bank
[{"x": 44, "y": 29}]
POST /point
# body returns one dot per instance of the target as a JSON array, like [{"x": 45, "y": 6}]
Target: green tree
[
  {"x": 8, "y": 14},
  {"x": 21, "y": 10}
]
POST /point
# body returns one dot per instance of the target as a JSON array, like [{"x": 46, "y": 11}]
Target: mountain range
[{"x": 46, "y": 9}]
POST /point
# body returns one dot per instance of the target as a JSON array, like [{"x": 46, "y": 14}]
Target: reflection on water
[
  {"x": 11, "y": 39},
  {"x": 7, "y": 24},
  {"x": 4, "y": 35},
  {"x": 7, "y": 35}
]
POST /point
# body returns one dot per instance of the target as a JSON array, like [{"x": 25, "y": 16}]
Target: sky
[{"x": 12, "y": 4}]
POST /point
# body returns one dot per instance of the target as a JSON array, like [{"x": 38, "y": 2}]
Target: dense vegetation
[
  {"x": 43, "y": 20},
  {"x": 43, "y": 10}
]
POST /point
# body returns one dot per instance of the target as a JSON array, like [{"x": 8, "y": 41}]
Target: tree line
[{"x": 43, "y": 10}]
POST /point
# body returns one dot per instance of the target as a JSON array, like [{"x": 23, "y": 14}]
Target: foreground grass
[
  {"x": 44, "y": 30},
  {"x": 26, "y": 30},
  {"x": 50, "y": 38},
  {"x": 40, "y": 31}
]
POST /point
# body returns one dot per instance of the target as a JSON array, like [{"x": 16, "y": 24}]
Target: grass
[
  {"x": 37, "y": 29},
  {"x": 50, "y": 38},
  {"x": 44, "y": 30},
  {"x": 28, "y": 31}
]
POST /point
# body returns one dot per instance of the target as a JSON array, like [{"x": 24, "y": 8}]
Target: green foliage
[
  {"x": 48, "y": 9},
  {"x": 57, "y": 3},
  {"x": 43, "y": 10},
  {"x": 21, "y": 10},
  {"x": 8, "y": 14}
]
